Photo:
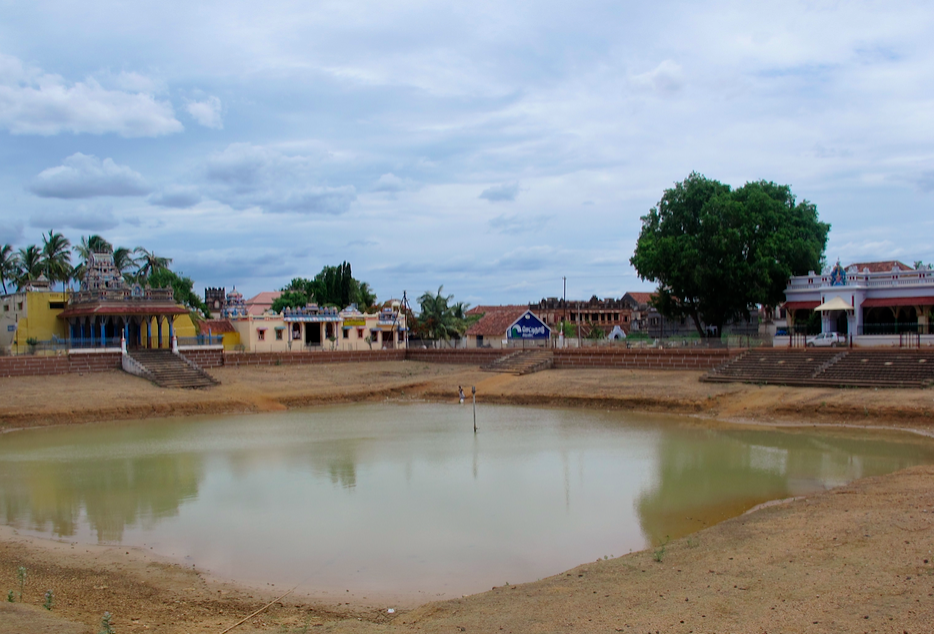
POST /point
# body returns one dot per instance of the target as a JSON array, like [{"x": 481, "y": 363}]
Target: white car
[{"x": 826, "y": 339}]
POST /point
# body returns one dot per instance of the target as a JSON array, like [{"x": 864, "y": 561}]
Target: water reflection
[
  {"x": 707, "y": 476},
  {"x": 94, "y": 479},
  {"x": 407, "y": 497}
]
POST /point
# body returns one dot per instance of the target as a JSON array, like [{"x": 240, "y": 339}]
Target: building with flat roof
[{"x": 873, "y": 303}]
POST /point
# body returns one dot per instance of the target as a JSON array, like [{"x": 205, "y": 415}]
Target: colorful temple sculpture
[{"x": 106, "y": 309}]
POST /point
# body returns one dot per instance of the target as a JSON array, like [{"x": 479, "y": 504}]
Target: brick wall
[
  {"x": 99, "y": 362},
  {"x": 27, "y": 365},
  {"x": 204, "y": 358},
  {"x": 302, "y": 358},
  {"x": 647, "y": 359},
  {"x": 468, "y": 356}
]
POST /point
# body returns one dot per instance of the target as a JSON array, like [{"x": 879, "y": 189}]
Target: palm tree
[
  {"x": 365, "y": 296},
  {"x": 56, "y": 258},
  {"x": 92, "y": 244},
  {"x": 149, "y": 262},
  {"x": 439, "y": 319},
  {"x": 7, "y": 265},
  {"x": 124, "y": 261},
  {"x": 28, "y": 265}
]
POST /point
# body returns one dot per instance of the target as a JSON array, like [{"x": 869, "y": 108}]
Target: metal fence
[
  {"x": 201, "y": 340},
  {"x": 896, "y": 329}
]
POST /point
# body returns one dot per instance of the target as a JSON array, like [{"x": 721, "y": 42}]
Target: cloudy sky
[{"x": 492, "y": 147}]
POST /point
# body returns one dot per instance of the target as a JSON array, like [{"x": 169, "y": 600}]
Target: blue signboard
[
  {"x": 528, "y": 327},
  {"x": 11, "y": 328}
]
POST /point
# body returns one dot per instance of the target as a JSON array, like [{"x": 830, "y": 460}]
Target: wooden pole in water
[{"x": 473, "y": 390}]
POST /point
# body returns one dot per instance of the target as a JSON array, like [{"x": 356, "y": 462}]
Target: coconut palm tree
[
  {"x": 28, "y": 265},
  {"x": 124, "y": 261},
  {"x": 92, "y": 244},
  {"x": 439, "y": 319},
  {"x": 149, "y": 262},
  {"x": 7, "y": 265},
  {"x": 56, "y": 258}
]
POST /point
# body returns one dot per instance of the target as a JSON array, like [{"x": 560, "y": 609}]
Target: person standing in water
[{"x": 460, "y": 393}]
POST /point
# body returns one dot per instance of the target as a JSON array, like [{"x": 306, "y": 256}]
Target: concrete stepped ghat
[
  {"x": 829, "y": 368},
  {"x": 522, "y": 362},
  {"x": 167, "y": 369}
]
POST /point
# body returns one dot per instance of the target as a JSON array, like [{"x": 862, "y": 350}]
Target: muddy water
[{"x": 404, "y": 500}]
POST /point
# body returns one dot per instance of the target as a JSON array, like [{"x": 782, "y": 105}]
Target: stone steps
[
  {"x": 522, "y": 362},
  {"x": 830, "y": 368},
  {"x": 171, "y": 370}
]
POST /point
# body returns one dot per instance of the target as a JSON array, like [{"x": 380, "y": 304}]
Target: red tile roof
[
  {"x": 122, "y": 309},
  {"x": 216, "y": 326},
  {"x": 880, "y": 267},
  {"x": 258, "y": 304},
  {"x": 496, "y": 320},
  {"x": 641, "y": 298},
  {"x": 876, "y": 302}
]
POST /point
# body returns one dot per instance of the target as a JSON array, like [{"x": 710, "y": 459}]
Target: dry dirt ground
[{"x": 855, "y": 559}]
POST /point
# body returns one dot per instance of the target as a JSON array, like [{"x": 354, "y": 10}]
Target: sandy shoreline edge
[{"x": 155, "y": 595}]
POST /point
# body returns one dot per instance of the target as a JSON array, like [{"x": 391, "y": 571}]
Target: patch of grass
[
  {"x": 659, "y": 553},
  {"x": 298, "y": 630},
  {"x": 10, "y": 597},
  {"x": 21, "y": 575},
  {"x": 49, "y": 600},
  {"x": 106, "y": 627}
]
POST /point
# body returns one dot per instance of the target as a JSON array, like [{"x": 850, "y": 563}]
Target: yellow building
[{"x": 31, "y": 315}]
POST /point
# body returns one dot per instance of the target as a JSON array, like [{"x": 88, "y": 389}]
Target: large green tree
[
  {"x": 289, "y": 299},
  {"x": 716, "y": 252},
  {"x": 333, "y": 286},
  {"x": 182, "y": 289}
]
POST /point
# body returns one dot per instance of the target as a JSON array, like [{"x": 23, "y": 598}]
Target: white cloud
[
  {"x": 86, "y": 176},
  {"x": 85, "y": 217},
  {"x": 33, "y": 102},
  {"x": 515, "y": 224},
  {"x": 507, "y": 192},
  {"x": 207, "y": 112},
  {"x": 245, "y": 175},
  {"x": 389, "y": 182},
  {"x": 177, "y": 196},
  {"x": 665, "y": 79}
]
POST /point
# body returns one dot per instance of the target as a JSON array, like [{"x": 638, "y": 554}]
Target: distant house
[
  {"x": 594, "y": 313},
  {"x": 490, "y": 330},
  {"x": 220, "y": 328},
  {"x": 261, "y": 303},
  {"x": 645, "y": 318}
]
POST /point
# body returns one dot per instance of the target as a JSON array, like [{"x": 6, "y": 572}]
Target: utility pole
[{"x": 564, "y": 316}]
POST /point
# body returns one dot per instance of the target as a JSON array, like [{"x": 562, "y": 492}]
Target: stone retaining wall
[
  {"x": 467, "y": 356},
  {"x": 29, "y": 365},
  {"x": 210, "y": 358},
  {"x": 26, "y": 365},
  {"x": 303, "y": 358}
]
